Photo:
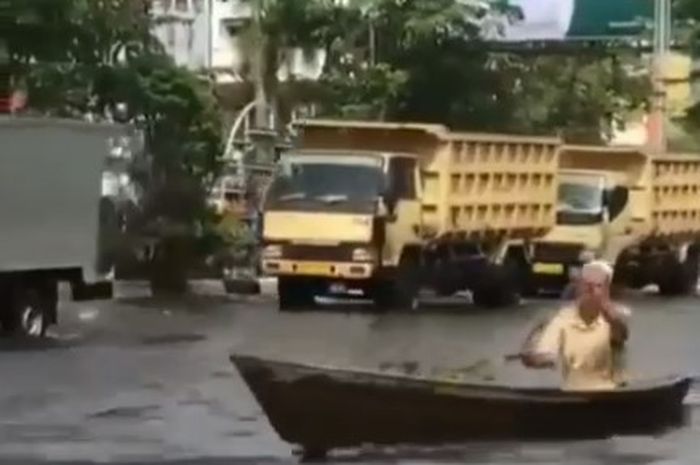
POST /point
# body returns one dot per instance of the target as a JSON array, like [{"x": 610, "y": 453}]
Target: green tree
[
  {"x": 64, "y": 51},
  {"x": 278, "y": 27},
  {"x": 424, "y": 60},
  {"x": 183, "y": 135},
  {"x": 687, "y": 22},
  {"x": 98, "y": 55}
]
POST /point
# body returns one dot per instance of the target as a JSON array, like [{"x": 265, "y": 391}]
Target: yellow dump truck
[
  {"x": 637, "y": 211},
  {"x": 386, "y": 209}
]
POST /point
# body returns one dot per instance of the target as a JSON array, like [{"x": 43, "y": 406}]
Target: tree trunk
[{"x": 168, "y": 271}]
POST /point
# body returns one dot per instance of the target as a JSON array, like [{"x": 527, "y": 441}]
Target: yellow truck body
[
  {"x": 650, "y": 236},
  {"x": 472, "y": 184},
  {"x": 675, "y": 196},
  {"x": 462, "y": 198}
]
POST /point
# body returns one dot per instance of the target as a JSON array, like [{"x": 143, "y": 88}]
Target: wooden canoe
[{"x": 321, "y": 408}]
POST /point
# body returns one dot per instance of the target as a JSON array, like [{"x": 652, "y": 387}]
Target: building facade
[
  {"x": 208, "y": 35},
  {"x": 182, "y": 26}
]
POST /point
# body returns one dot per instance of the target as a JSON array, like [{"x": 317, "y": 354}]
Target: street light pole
[
  {"x": 260, "y": 64},
  {"x": 657, "y": 140}
]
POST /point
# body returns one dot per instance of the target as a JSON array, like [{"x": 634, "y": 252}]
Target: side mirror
[
  {"x": 616, "y": 200},
  {"x": 387, "y": 203},
  {"x": 390, "y": 201}
]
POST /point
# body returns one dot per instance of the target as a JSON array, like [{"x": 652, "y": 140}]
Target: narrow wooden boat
[{"x": 321, "y": 408}]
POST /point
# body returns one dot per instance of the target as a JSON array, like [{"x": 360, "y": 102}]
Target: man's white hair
[{"x": 597, "y": 268}]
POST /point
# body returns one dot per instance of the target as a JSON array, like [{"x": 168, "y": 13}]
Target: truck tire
[
  {"x": 678, "y": 278},
  {"x": 497, "y": 287},
  {"x": 32, "y": 310},
  {"x": 400, "y": 292},
  {"x": 295, "y": 293}
]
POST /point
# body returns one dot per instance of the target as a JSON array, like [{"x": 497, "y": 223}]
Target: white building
[
  {"x": 207, "y": 34},
  {"x": 183, "y": 26},
  {"x": 228, "y": 58}
]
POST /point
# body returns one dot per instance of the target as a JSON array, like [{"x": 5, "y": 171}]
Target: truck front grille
[{"x": 318, "y": 252}]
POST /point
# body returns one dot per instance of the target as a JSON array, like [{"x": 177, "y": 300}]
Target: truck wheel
[
  {"x": 678, "y": 278},
  {"x": 295, "y": 293},
  {"x": 497, "y": 287},
  {"x": 401, "y": 292},
  {"x": 691, "y": 268},
  {"x": 30, "y": 313}
]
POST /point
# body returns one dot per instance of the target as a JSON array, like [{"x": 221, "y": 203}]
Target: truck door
[{"x": 403, "y": 222}]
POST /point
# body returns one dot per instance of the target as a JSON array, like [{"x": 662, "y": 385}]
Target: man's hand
[{"x": 617, "y": 318}]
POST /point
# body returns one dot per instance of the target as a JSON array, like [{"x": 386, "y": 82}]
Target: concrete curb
[{"x": 138, "y": 288}]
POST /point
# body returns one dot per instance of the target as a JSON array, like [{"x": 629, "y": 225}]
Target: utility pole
[
  {"x": 259, "y": 72},
  {"x": 657, "y": 141}
]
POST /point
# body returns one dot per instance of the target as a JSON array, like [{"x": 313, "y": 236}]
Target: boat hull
[{"x": 325, "y": 408}]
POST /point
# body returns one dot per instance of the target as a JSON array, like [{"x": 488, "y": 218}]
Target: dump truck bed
[
  {"x": 675, "y": 195},
  {"x": 669, "y": 183},
  {"x": 474, "y": 184},
  {"x": 50, "y": 188}
]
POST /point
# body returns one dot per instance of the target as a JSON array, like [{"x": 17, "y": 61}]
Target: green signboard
[
  {"x": 612, "y": 18},
  {"x": 564, "y": 20}
]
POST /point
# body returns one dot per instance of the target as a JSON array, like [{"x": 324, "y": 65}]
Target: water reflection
[{"x": 677, "y": 443}]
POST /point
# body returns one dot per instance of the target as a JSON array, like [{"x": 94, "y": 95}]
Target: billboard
[{"x": 566, "y": 20}]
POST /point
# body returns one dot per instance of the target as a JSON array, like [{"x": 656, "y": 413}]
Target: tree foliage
[
  {"x": 63, "y": 51},
  {"x": 424, "y": 60},
  {"x": 93, "y": 57},
  {"x": 277, "y": 28},
  {"x": 687, "y": 17}
]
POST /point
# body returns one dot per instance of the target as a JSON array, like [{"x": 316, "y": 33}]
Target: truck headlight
[
  {"x": 272, "y": 251},
  {"x": 362, "y": 254}
]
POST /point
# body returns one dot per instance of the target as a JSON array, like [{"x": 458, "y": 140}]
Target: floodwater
[{"x": 136, "y": 380}]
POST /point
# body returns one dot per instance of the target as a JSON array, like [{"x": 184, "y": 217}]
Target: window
[
  {"x": 198, "y": 6},
  {"x": 190, "y": 37},
  {"x": 402, "y": 178},
  {"x": 170, "y": 30},
  {"x": 182, "y": 5}
]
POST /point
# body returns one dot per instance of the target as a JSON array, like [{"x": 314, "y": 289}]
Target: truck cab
[
  {"x": 589, "y": 212},
  {"x": 600, "y": 203},
  {"x": 336, "y": 221}
]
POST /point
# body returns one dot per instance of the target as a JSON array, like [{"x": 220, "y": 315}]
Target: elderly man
[{"x": 585, "y": 337}]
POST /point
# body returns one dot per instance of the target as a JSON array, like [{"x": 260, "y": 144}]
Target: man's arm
[
  {"x": 535, "y": 360},
  {"x": 541, "y": 353},
  {"x": 617, "y": 318}
]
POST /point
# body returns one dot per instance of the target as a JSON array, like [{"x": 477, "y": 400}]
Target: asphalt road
[{"x": 136, "y": 380}]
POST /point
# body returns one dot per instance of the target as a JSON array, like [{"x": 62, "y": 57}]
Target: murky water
[
  {"x": 151, "y": 382},
  {"x": 447, "y": 337}
]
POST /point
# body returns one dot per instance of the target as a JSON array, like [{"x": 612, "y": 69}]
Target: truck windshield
[
  {"x": 579, "y": 203},
  {"x": 307, "y": 183}
]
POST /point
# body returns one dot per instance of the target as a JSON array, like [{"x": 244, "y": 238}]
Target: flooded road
[{"x": 149, "y": 381}]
